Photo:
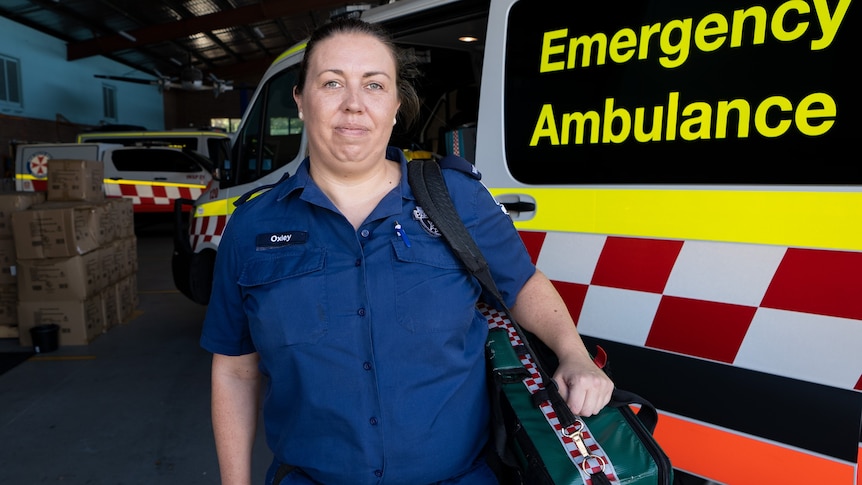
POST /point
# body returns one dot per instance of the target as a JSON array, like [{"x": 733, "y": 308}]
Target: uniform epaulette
[
  {"x": 258, "y": 190},
  {"x": 454, "y": 162}
]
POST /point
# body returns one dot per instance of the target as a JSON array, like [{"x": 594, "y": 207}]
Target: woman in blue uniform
[{"x": 361, "y": 323}]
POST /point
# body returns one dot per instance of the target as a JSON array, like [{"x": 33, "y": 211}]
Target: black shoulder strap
[{"x": 426, "y": 181}]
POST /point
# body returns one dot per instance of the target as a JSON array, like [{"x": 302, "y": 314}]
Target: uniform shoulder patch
[{"x": 454, "y": 162}]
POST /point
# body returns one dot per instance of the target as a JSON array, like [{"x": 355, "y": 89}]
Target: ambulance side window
[
  {"x": 218, "y": 150},
  {"x": 577, "y": 111},
  {"x": 154, "y": 160},
  {"x": 271, "y": 135}
]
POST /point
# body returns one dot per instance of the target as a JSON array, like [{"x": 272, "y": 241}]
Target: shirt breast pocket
[
  {"x": 433, "y": 291},
  {"x": 284, "y": 296}
]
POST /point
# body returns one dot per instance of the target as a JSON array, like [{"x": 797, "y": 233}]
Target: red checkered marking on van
[
  {"x": 152, "y": 197},
  {"x": 774, "y": 309},
  {"x": 207, "y": 230}
]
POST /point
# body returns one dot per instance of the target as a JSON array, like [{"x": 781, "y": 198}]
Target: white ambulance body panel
[{"x": 683, "y": 174}]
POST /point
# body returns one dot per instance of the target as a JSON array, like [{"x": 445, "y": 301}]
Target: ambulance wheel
[{"x": 201, "y": 276}]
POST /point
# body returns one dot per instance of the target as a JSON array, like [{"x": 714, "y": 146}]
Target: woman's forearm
[{"x": 235, "y": 394}]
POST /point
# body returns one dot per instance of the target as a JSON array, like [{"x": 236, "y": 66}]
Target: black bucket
[{"x": 45, "y": 337}]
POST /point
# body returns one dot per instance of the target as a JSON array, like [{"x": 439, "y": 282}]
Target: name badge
[{"x": 279, "y": 239}]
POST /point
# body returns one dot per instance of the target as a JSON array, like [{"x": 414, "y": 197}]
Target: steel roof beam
[{"x": 265, "y": 10}]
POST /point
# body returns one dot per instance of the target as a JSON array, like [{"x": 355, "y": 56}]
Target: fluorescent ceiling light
[{"x": 127, "y": 35}]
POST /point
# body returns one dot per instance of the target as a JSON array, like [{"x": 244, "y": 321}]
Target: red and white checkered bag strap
[{"x": 584, "y": 451}]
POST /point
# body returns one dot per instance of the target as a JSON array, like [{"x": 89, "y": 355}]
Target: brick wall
[{"x": 16, "y": 130}]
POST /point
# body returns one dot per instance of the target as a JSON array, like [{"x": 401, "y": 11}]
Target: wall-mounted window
[
  {"x": 285, "y": 126},
  {"x": 229, "y": 125},
  {"x": 10, "y": 81},
  {"x": 109, "y": 102}
]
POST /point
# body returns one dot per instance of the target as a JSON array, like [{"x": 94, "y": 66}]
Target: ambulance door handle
[
  {"x": 159, "y": 178},
  {"x": 519, "y": 206},
  {"x": 116, "y": 178}
]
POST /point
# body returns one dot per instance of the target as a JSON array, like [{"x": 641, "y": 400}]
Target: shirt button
[
  {"x": 366, "y": 365},
  {"x": 358, "y": 263},
  {"x": 378, "y": 473},
  {"x": 361, "y": 312},
  {"x": 365, "y": 233},
  {"x": 373, "y": 421}
]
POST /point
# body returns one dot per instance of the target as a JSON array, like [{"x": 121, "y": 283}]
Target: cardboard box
[
  {"x": 80, "y": 321},
  {"x": 127, "y": 297},
  {"x": 110, "y": 271},
  {"x": 8, "y": 260},
  {"x": 53, "y": 279},
  {"x": 105, "y": 230},
  {"x": 8, "y": 304},
  {"x": 124, "y": 252},
  {"x": 110, "y": 307},
  {"x": 116, "y": 220},
  {"x": 79, "y": 180},
  {"x": 122, "y": 216},
  {"x": 9, "y": 331},
  {"x": 55, "y": 230},
  {"x": 127, "y": 256},
  {"x": 14, "y": 202}
]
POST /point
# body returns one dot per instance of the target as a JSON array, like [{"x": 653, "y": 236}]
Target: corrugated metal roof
[{"x": 229, "y": 39}]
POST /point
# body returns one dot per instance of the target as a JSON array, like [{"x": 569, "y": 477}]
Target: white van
[
  {"x": 212, "y": 144},
  {"x": 153, "y": 177},
  {"x": 681, "y": 170}
]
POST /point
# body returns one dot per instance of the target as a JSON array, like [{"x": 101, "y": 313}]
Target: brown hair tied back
[{"x": 405, "y": 62}]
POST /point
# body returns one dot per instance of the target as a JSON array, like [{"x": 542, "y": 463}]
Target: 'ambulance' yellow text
[{"x": 813, "y": 115}]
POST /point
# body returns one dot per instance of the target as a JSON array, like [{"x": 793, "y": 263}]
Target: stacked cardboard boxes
[
  {"x": 11, "y": 202},
  {"x": 76, "y": 256}
]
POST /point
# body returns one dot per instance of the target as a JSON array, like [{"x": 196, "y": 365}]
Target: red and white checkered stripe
[
  {"x": 598, "y": 460},
  {"x": 786, "y": 311},
  {"x": 207, "y": 229},
  {"x": 456, "y": 143},
  {"x": 152, "y": 197}
]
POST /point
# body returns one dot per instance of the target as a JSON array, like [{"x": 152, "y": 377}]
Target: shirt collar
[
  {"x": 396, "y": 154},
  {"x": 301, "y": 180}
]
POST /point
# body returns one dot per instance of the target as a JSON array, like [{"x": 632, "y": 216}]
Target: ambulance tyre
[{"x": 201, "y": 276}]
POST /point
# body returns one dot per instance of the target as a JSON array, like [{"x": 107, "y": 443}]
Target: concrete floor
[{"x": 132, "y": 407}]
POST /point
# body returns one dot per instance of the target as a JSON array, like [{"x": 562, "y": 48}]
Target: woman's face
[{"x": 349, "y": 102}]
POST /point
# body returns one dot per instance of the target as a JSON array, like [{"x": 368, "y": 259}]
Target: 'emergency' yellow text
[{"x": 789, "y": 22}]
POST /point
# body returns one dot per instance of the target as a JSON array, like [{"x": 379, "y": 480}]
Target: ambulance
[
  {"x": 153, "y": 177},
  {"x": 684, "y": 174}
]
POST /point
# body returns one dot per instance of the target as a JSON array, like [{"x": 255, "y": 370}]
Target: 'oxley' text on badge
[{"x": 279, "y": 239}]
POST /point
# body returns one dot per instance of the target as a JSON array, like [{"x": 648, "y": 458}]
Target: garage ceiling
[{"x": 229, "y": 39}]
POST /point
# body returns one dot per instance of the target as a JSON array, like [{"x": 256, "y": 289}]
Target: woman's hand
[
  {"x": 585, "y": 387},
  {"x": 540, "y": 310}
]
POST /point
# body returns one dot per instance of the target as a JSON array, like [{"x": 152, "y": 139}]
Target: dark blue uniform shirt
[{"x": 371, "y": 342}]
